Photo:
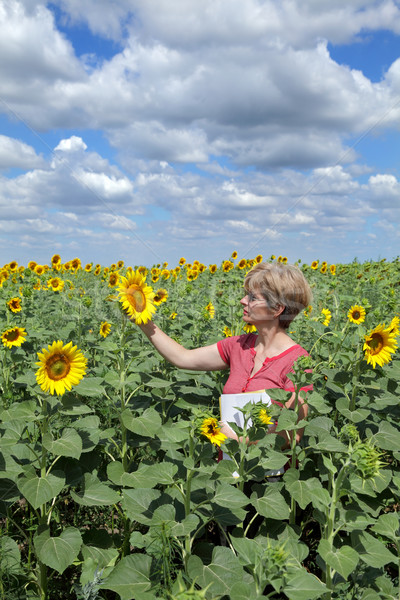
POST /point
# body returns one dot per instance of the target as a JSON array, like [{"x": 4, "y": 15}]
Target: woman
[{"x": 275, "y": 294}]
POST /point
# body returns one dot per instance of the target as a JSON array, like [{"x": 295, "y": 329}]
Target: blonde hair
[{"x": 281, "y": 285}]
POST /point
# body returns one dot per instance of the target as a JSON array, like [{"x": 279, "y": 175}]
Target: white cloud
[
  {"x": 17, "y": 154},
  {"x": 72, "y": 144}
]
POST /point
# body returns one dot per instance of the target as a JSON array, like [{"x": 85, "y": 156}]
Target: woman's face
[{"x": 255, "y": 308}]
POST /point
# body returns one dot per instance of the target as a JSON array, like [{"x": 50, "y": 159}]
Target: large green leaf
[
  {"x": 39, "y": 490},
  {"x": 130, "y": 578},
  {"x": 146, "y": 476},
  {"x": 26, "y": 411},
  {"x": 95, "y": 493},
  {"x": 371, "y": 551},
  {"x": 230, "y": 497},
  {"x": 139, "y": 504},
  {"x": 10, "y": 558},
  {"x": 57, "y": 552},
  {"x": 388, "y": 525},
  {"x": 272, "y": 505},
  {"x": 221, "y": 574},
  {"x": 69, "y": 444},
  {"x": 147, "y": 425},
  {"x": 304, "y": 586},
  {"x": 388, "y": 437},
  {"x": 90, "y": 386},
  {"x": 344, "y": 559}
]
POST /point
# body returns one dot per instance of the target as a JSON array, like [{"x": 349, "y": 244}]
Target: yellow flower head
[
  {"x": 394, "y": 326},
  {"x": 328, "y": 315},
  {"x": 55, "y": 259},
  {"x": 227, "y": 265},
  {"x": 56, "y": 284},
  {"x": 105, "y": 329},
  {"x": 356, "y": 314},
  {"x": 213, "y": 268},
  {"x": 332, "y": 269},
  {"x": 13, "y": 337},
  {"x": 13, "y": 266},
  {"x": 14, "y": 305},
  {"x": 234, "y": 255},
  {"x": 379, "y": 345},
  {"x": 39, "y": 269},
  {"x": 314, "y": 264},
  {"x": 259, "y": 258},
  {"x": 248, "y": 328},
  {"x": 88, "y": 267},
  {"x": 211, "y": 430},
  {"x": 242, "y": 263},
  {"x": 161, "y": 295},
  {"x": 182, "y": 261},
  {"x": 210, "y": 309},
  {"x": 60, "y": 367},
  {"x": 227, "y": 332},
  {"x": 173, "y": 315},
  {"x": 113, "y": 279},
  {"x": 136, "y": 297}
]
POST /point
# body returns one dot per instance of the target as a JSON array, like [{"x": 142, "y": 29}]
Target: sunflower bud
[
  {"x": 349, "y": 433},
  {"x": 261, "y": 415},
  {"x": 367, "y": 459}
]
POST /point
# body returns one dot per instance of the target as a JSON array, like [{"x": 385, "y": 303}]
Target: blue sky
[{"x": 146, "y": 131}]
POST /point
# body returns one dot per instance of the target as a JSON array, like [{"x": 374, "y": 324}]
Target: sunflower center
[
  {"x": 12, "y": 335},
  {"x": 58, "y": 367},
  {"x": 211, "y": 429},
  {"x": 376, "y": 343},
  {"x": 137, "y": 298},
  {"x": 356, "y": 314}
]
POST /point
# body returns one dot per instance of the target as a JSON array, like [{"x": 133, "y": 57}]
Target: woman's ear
[{"x": 278, "y": 310}]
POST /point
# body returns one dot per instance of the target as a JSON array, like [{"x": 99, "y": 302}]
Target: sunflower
[
  {"x": 13, "y": 337},
  {"x": 394, "y": 326},
  {"x": 113, "y": 279},
  {"x": 31, "y": 265},
  {"x": 105, "y": 329},
  {"x": 211, "y": 430},
  {"x": 14, "y": 305},
  {"x": 161, "y": 295},
  {"x": 356, "y": 314},
  {"x": 234, "y": 255},
  {"x": 272, "y": 257},
  {"x": 279, "y": 259},
  {"x": 192, "y": 274},
  {"x": 182, "y": 261},
  {"x": 284, "y": 260},
  {"x": 143, "y": 271},
  {"x": 260, "y": 415},
  {"x": 379, "y": 345},
  {"x": 120, "y": 264},
  {"x": 202, "y": 268},
  {"x": 56, "y": 284},
  {"x": 60, "y": 367},
  {"x": 97, "y": 270},
  {"x": 314, "y": 265},
  {"x": 173, "y": 315},
  {"x": 332, "y": 269},
  {"x": 165, "y": 274},
  {"x": 227, "y": 332},
  {"x": 136, "y": 297},
  {"x": 13, "y": 266},
  {"x": 324, "y": 268},
  {"x": 210, "y": 309},
  {"x": 328, "y": 315},
  {"x": 88, "y": 267},
  {"x": 76, "y": 264},
  {"x": 258, "y": 258},
  {"x": 212, "y": 268},
  {"x": 55, "y": 259},
  {"x": 248, "y": 328},
  {"x": 155, "y": 278},
  {"x": 242, "y": 263},
  {"x": 227, "y": 265},
  {"x": 307, "y": 311},
  {"x": 39, "y": 269}
]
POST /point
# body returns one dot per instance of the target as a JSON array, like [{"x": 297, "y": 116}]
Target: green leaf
[
  {"x": 272, "y": 505},
  {"x": 97, "y": 559},
  {"x": 301, "y": 492},
  {"x": 26, "y": 411},
  {"x": 388, "y": 525},
  {"x": 344, "y": 559},
  {"x": 304, "y": 586},
  {"x": 319, "y": 403},
  {"x": 95, "y": 493},
  {"x": 39, "y": 490},
  {"x": 130, "y": 578},
  {"x": 10, "y": 558},
  {"x": 287, "y": 420},
  {"x": 221, "y": 574},
  {"x": 139, "y": 504},
  {"x": 146, "y": 476},
  {"x": 356, "y": 416},
  {"x": 74, "y": 407},
  {"x": 90, "y": 386},
  {"x": 371, "y": 551},
  {"x": 147, "y": 425},
  {"x": 69, "y": 444},
  {"x": 230, "y": 497},
  {"x": 57, "y": 552},
  {"x": 388, "y": 437}
]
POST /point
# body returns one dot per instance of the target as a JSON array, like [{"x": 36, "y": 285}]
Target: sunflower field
[{"x": 110, "y": 485}]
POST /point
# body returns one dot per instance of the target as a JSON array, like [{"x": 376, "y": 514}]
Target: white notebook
[{"x": 229, "y": 404}]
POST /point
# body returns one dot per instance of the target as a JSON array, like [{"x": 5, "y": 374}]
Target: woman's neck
[{"x": 272, "y": 341}]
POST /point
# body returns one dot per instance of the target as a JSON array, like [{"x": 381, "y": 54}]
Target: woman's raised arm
[{"x": 206, "y": 358}]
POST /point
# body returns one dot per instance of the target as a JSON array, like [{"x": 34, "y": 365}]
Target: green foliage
[{"x": 111, "y": 492}]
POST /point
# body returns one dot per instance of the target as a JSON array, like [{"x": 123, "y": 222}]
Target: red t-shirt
[{"x": 238, "y": 352}]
